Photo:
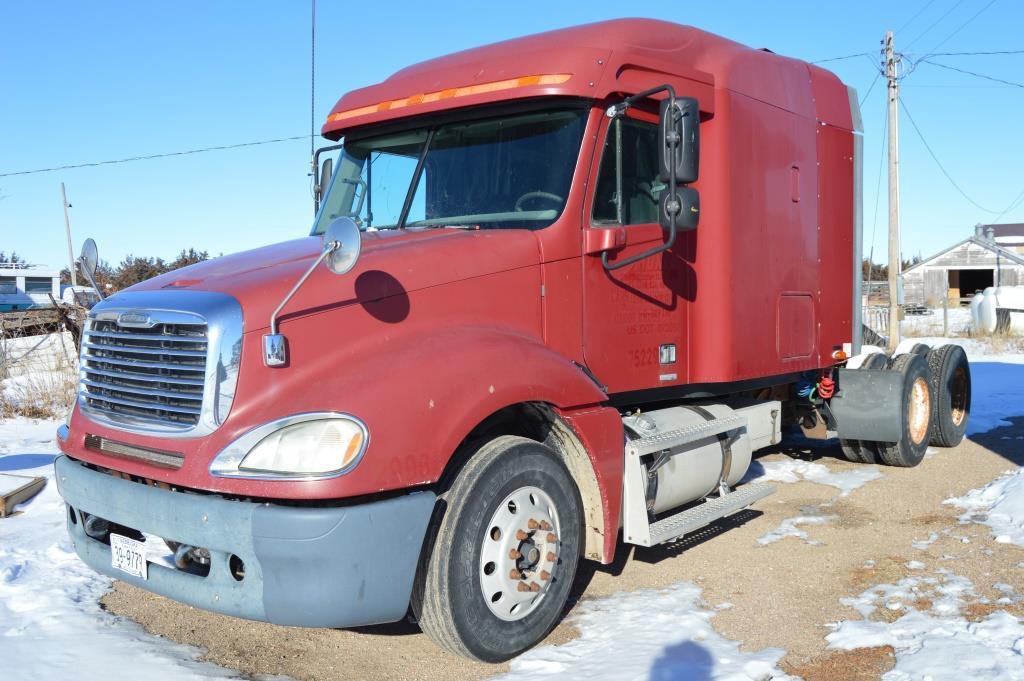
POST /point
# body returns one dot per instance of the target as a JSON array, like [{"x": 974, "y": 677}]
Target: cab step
[
  {"x": 686, "y": 435},
  {"x": 675, "y": 526}
]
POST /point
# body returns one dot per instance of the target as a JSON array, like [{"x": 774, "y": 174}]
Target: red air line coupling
[{"x": 826, "y": 387}]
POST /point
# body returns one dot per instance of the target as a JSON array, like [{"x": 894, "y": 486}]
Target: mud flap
[{"x": 868, "y": 405}]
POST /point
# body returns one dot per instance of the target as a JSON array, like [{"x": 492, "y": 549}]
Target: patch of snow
[
  {"x": 656, "y": 634},
  {"x": 999, "y": 504},
  {"x": 51, "y": 625},
  {"x": 794, "y": 470},
  {"x": 935, "y": 643},
  {"x": 790, "y": 528},
  {"x": 915, "y": 565},
  {"x": 922, "y": 544}
]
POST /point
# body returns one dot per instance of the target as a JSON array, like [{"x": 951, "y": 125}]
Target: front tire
[{"x": 506, "y": 543}]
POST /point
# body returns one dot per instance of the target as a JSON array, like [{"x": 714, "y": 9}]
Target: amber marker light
[{"x": 451, "y": 93}]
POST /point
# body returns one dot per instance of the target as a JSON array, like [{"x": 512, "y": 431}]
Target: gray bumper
[{"x": 316, "y": 567}]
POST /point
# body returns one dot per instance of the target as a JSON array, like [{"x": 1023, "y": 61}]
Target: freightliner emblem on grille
[{"x": 134, "y": 319}]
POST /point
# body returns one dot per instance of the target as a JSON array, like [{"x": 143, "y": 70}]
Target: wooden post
[{"x": 891, "y": 60}]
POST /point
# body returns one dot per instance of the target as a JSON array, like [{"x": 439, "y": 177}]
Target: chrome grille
[{"x": 156, "y": 373}]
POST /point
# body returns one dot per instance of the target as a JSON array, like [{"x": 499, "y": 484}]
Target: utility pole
[
  {"x": 891, "y": 63},
  {"x": 67, "y": 231}
]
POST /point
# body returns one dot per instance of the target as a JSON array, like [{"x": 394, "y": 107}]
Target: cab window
[{"x": 638, "y": 167}]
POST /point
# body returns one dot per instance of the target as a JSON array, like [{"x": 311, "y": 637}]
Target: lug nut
[
  {"x": 521, "y": 536},
  {"x": 534, "y": 586},
  {"x": 552, "y": 538},
  {"x": 515, "y": 574},
  {"x": 551, "y": 556},
  {"x": 533, "y": 524},
  {"x": 545, "y": 575},
  {"x": 545, "y": 525},
  {"x": 522, "y": 586},
  {"x": 513, "y": 554}
]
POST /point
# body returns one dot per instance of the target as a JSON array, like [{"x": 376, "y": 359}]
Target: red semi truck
[{"x": 557, "y": 291}]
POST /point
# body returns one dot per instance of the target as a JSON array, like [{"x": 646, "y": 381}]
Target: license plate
[{"x": 128, "y": 555}]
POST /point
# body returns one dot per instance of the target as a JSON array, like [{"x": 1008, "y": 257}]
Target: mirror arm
[
  {"x": 88, "y": 275},
  {"x": 617, "y": 110},
  {"x": 328, "y": 249}
]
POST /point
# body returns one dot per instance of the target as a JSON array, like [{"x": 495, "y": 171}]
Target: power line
[
  {"x": 848, "y": 56},
  {"x": 973, "y": 54},
  {"x": 934, "y": 23},
  {"x": 919, "y": 13},
  {"x": 878, "y": 188},
  {"x": 971, "y": 73},
  {"x": 870, "y": 88},
  {"x": 960, "y": 27},
  {"x": 130, "y": 159},
  {"x": 941, "y": 167}
]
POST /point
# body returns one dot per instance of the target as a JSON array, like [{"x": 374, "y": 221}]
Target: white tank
[
  {"x": 694, "y": 473},
  {"x": 1011, "y": 297},
  {"x": 975, "y": 310},
  {"x": 987, "y": 312}
]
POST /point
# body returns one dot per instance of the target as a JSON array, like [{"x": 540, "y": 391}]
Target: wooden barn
[{"x": 963, "y": 269}]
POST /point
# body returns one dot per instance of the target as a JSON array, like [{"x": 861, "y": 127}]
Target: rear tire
[
  {"x": 862, "y": 451},
  {"x": 916, "y": 416},
  {"x": 469, "y": 596},
  {"x": 950, "y": 377}
]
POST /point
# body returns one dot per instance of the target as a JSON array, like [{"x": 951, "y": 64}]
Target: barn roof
[{"x": 984, "y": 243}]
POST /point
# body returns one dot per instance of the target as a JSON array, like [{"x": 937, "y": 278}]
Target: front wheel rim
[{"x": 519, "y": 553}]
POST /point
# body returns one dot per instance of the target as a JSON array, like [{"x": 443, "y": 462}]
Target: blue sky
[{"x": 95, "y": 81}]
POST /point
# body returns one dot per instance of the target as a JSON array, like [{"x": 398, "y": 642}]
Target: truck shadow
[
  {"x": 25, "y": 462},
  {"x": 684, "y": 660},
  {"x": 1006, "y": 441},
  {"x": 655, "y": 554}
]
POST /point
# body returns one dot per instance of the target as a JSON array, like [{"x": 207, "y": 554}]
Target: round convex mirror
[
  {"x": 345, "y": 233},
  {"x": 90, "y": 257}
]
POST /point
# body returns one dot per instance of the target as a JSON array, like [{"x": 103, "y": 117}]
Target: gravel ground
[{"x": 783, "y": 594}]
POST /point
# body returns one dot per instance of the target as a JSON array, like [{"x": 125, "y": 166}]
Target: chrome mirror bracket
[{"x": 275, "y": 345}]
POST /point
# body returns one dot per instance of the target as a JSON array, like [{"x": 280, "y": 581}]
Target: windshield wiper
[{"x": 440, "y": 225}]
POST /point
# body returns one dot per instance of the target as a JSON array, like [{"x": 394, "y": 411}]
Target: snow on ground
[
  {"x": 932, "y": 639},
  {"x": 51, "y": 624},
  {"x": 790, "y": 527},
  {"x": 794, "y": 470},
  {"x": 656, "y": 634},
  {"x": 931, "y": 324},
  {"x": 1000, "y": 505}
]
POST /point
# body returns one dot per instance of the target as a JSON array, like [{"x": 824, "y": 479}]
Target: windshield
[{"x": 505, "y": 172}]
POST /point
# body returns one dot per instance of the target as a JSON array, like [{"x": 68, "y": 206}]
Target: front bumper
[{"x": 316, "y": 567}]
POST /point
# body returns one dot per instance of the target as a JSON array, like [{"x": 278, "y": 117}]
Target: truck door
[{"x": 635, "y": 318}]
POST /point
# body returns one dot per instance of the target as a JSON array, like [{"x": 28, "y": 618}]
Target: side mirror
[
  {"x": 679, "y": 128},
  {"x": 345, "y": 240},
  {"x": 88, "y": 262},
  {"x": 326, "y": 170},
  {"x": 686, "y": 207}
]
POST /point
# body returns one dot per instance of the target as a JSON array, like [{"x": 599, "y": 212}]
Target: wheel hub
[{"x": 519, "y": 553}]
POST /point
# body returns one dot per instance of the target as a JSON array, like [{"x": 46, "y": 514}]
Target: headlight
[{"x": 303, "y": 446}]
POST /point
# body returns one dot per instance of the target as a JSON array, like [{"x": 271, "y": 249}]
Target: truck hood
[{"x": 393, "y": 262}]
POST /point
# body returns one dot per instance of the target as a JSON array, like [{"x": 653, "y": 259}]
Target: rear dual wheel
[
  {"x": 916, "y": 404},
  {"x": 863, "y": 451},
  {"x": 917, "y": 407},
  {"x": 505, "y": 545},
  {"x": 950, "y": 377}
]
